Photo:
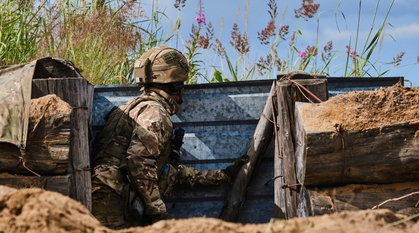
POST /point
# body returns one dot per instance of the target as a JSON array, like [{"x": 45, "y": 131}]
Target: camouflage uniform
[{"x": 140, "y": 133}]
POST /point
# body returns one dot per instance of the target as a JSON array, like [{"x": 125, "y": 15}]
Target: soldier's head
[{"x": 162, "y": 67}]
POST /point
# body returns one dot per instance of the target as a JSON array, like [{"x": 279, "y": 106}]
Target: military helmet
[{"x": 161, "y": 64}]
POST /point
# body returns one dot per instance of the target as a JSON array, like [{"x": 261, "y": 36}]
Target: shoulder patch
[{"x": 170, "y": 56}]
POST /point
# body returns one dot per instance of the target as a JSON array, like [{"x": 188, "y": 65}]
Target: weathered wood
[
  {"x": 47, "y": 149},
  {"x": 379, "y": 155},
  {"x": 288, "y": 94},
  {"x": 60, "y": 184},
  {"x": 76, "y": 92},
  {"x": 286, "y": 145},
  {"x": 279, "y": 193},
  {"x": 255, "y": 150},
  {"x": 327, "y": 200}
]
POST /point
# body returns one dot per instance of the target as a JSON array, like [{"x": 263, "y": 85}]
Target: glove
[{"x": 234, "y": 168}]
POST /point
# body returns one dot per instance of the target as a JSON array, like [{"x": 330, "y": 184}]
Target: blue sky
[{"x": 401, "y": 36}]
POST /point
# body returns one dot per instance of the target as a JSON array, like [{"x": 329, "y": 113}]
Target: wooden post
[
  {"x": 256, "y": 149},
  {"x": 288, "y": 94},
  {"x": 77, "y": 92}
]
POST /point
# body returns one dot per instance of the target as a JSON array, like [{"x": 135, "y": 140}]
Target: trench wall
[{"x": 219, "y": 120}]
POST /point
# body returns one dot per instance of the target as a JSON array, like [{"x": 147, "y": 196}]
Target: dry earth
[
  {"x": 38, "y": 210},
  {"x": 360, "y": 110},
  {"x": 48, "y": 105}
]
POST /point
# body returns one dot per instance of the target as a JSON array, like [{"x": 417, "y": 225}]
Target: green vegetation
[{"x": 103, "y": 39}]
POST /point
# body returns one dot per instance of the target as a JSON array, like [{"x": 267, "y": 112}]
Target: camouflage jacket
[{"x": 140, "y": 133}]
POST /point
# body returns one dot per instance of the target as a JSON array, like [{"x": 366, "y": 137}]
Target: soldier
[{"x": 136, "y": 159}]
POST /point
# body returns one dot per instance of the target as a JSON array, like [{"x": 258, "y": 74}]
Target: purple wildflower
[
  {"x": 302, "y": 54},
  {"x": 200, "y": 19},
  {"x": 354, "y": 53},
  {"x": 201, "y": 16},
  {"x": 351, "y": 53}
]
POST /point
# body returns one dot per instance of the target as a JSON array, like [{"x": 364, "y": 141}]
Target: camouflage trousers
[{"x": 109, "y": 207}]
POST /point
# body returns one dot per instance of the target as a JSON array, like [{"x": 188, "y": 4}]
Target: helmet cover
[{"x": 161, "y": 64}]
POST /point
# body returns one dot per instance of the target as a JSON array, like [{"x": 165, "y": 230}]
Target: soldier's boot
[{"x": 234, "y": 168}]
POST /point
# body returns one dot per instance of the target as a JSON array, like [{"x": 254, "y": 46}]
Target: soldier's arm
[{"x": 149, "y": 134}]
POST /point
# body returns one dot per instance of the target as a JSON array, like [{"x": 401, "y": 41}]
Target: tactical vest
[{"x": 115, "y": 138}]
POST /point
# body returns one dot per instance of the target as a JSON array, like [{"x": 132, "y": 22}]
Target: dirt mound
[
  {"x": 48, "y": 105},
  {"x": 363, "y": 109},
  {"x": 37, "y": 210},
  {"x": 348, "y": 222}
]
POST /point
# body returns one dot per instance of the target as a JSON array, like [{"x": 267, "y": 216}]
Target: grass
[{"x": 19, "y": 25}]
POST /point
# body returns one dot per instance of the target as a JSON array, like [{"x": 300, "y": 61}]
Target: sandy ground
[
  {"x": 48, "y": 105},
  {"x": 38, "y": 210},
  {"x": 363, "y": 109}
]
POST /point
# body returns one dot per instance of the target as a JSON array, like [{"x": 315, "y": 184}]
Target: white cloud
[
  {"x": 343, "y": 35},
  {"x": 404, "y": 32}
]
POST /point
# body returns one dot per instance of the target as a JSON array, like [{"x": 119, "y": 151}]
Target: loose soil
[
  {"x": 48, "y": 105},
  {"x": 360, "y": 110},
  {"x": 38, "y": 210}
]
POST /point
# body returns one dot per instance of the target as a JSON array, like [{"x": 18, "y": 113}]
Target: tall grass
[
  {"x": 99, "y": 37},
  {"x": 102, "y": 38},
  {"x": 20, "y": 24}
]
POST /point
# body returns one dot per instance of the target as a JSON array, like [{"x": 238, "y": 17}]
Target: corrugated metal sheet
[{"x": 219, "y": 120}]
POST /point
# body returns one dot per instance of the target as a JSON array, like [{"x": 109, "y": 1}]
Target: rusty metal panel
[{"x": 219, "y": 120}]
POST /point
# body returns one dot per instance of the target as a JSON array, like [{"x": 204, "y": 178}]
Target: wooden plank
[
  {"x": 379, "y": 155},
  {"x": 279, "y": 193},
  {"x": 256, "y": 149},
  {"x": 327, "y": 200},
  {"x": 286, "y": 145},
  {"x": 60, "y": 184},
  {"x": 80, "y": 160}
]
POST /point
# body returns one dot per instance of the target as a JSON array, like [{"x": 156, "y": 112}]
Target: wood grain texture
[
  {"x": 327, "y": 200},
  {"x": 77, "y": 92},
  {"x": 287, "y": 95},
  {"x": 279, "y": 193},
  {"x": 389, "y": 154},
  {"x": 47, "y": 150},
  {"x": 60, "y": 184},
  {"x": 286, "y": 145}
]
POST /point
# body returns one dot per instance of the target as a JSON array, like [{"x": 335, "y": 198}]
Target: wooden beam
[
  {"x": 256, "y": 149},
  {"x": 327, "y": 200},
  {"x": 47, "y": 149},
  {"x": 60, "y": 184},
  {"x": 388, "y": 154}
]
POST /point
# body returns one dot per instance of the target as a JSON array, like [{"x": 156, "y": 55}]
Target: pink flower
[
  {"x": 353, "y": 53},
  {"x": 200, "y": 19},
  {"x": 302, "y": 54}
]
